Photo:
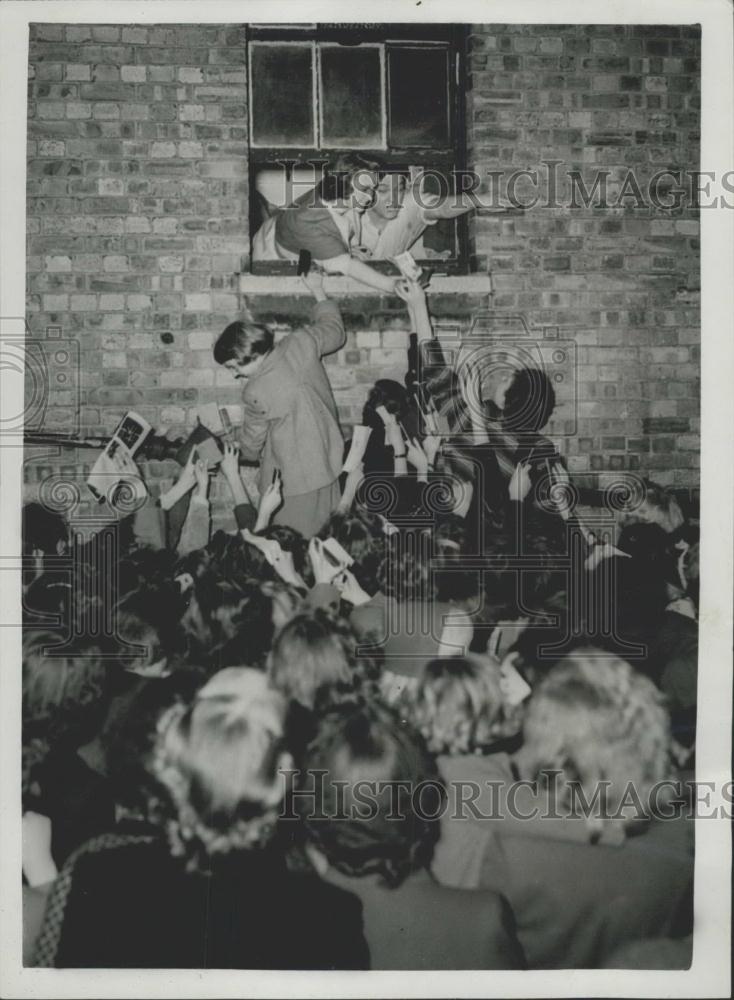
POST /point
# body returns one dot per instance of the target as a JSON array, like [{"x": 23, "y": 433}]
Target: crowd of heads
[{"x": 212, "y": 690}]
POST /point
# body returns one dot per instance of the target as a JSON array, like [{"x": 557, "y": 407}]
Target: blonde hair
[
  {"x": 218, "y": 759},
  {"x": 458, "y": 705},
  {"x": 594, "y": 718}
]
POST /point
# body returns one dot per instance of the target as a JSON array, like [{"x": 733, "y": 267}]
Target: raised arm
[
  {"x": 328, "y": 327},
  {"x": 413, "y": 294}
]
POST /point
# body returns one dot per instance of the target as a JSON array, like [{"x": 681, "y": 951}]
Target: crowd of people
[{"x": 412, "y": 714}]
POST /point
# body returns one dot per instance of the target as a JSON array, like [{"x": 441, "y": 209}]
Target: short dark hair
[
  {"x": 529, "y": 401},
  {"x": 242, "y": 342},
  {"x": 370, "y": 742},
  {"x": 388, "y": 393}
]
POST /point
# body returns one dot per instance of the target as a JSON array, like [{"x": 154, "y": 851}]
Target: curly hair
[
  {"x": 370, "y": 743},
  {"x": 595, "y": 718},
  {"x": 218, "y": 760},
  {"x": 458, "y": 705},
  {"x": 405, "y": 572}
]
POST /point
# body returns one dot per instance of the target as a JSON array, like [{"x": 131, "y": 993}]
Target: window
[{"x": 389, "y": 92}]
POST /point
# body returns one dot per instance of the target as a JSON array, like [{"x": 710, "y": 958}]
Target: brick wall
[
  {"x": 137, "y": 228},
  {"x": 622, "y": 283}
]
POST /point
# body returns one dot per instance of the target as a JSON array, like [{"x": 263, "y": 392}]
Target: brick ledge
[{"x": 341, "y": 287}]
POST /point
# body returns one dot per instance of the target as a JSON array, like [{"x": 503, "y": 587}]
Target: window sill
[{"x": 339, "y": 286}]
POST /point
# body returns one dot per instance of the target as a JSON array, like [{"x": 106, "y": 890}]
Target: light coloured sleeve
[
  {"x": 195, "y": 532},
  {"x": 254, "y": 430},
  {"x": 328, "y": 329}
]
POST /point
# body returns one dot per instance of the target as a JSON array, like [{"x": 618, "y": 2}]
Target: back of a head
[
  {"x": 458, "y": 705},
  {"x": 370, "y": 758},
  {"x": 66, "y": 694},
  {"x": 596, "y": 719},
  {"x": 658, "y": 506},
  {"x": 406, "y": 573},
  {"x": 218, "y": 760},
  {"x": 242, "y": 342},
  {"x": 231, "y": 623},
  {"x": 313, "y": 659},
  {"x": 529, "y": 401}
]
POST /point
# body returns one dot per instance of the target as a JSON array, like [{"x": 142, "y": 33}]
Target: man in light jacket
[{"x": 290, "y": 419}]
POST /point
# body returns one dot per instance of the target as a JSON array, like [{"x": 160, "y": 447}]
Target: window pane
[
  {"x": 282, "y": 95},
  {"x": 418, "y": 91},
  {"x": 351, "y": 96}
]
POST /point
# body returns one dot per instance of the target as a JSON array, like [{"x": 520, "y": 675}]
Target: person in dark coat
[{"x": 207, "y": 888}]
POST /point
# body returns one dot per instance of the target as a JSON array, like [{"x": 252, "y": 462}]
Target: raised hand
[
  {"x": 201, "y": 474},
  {"x": 270, "y": 500},
  {"x": 416, "y": 455},
  {"x": 411, "y": 292},
  {"x": 231, "y": 461},
  {"x": 346, "y": 584},
  {"x": 520, "y": 483},
  {"x": 324, "y": 571},
  {"x": 314, "y": 281},
  {"x": 431, "y": 445},
  {"x": 283, "y": 566},
  {"x": 388, "y": 419},
  {"x": 269, "y": 547}
]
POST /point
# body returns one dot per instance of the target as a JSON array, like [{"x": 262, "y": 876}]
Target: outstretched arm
[
  {"x": 413, "y": 294},
  {"x": 354, "y": 268},
  {"x": 328, "y": 328}
]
